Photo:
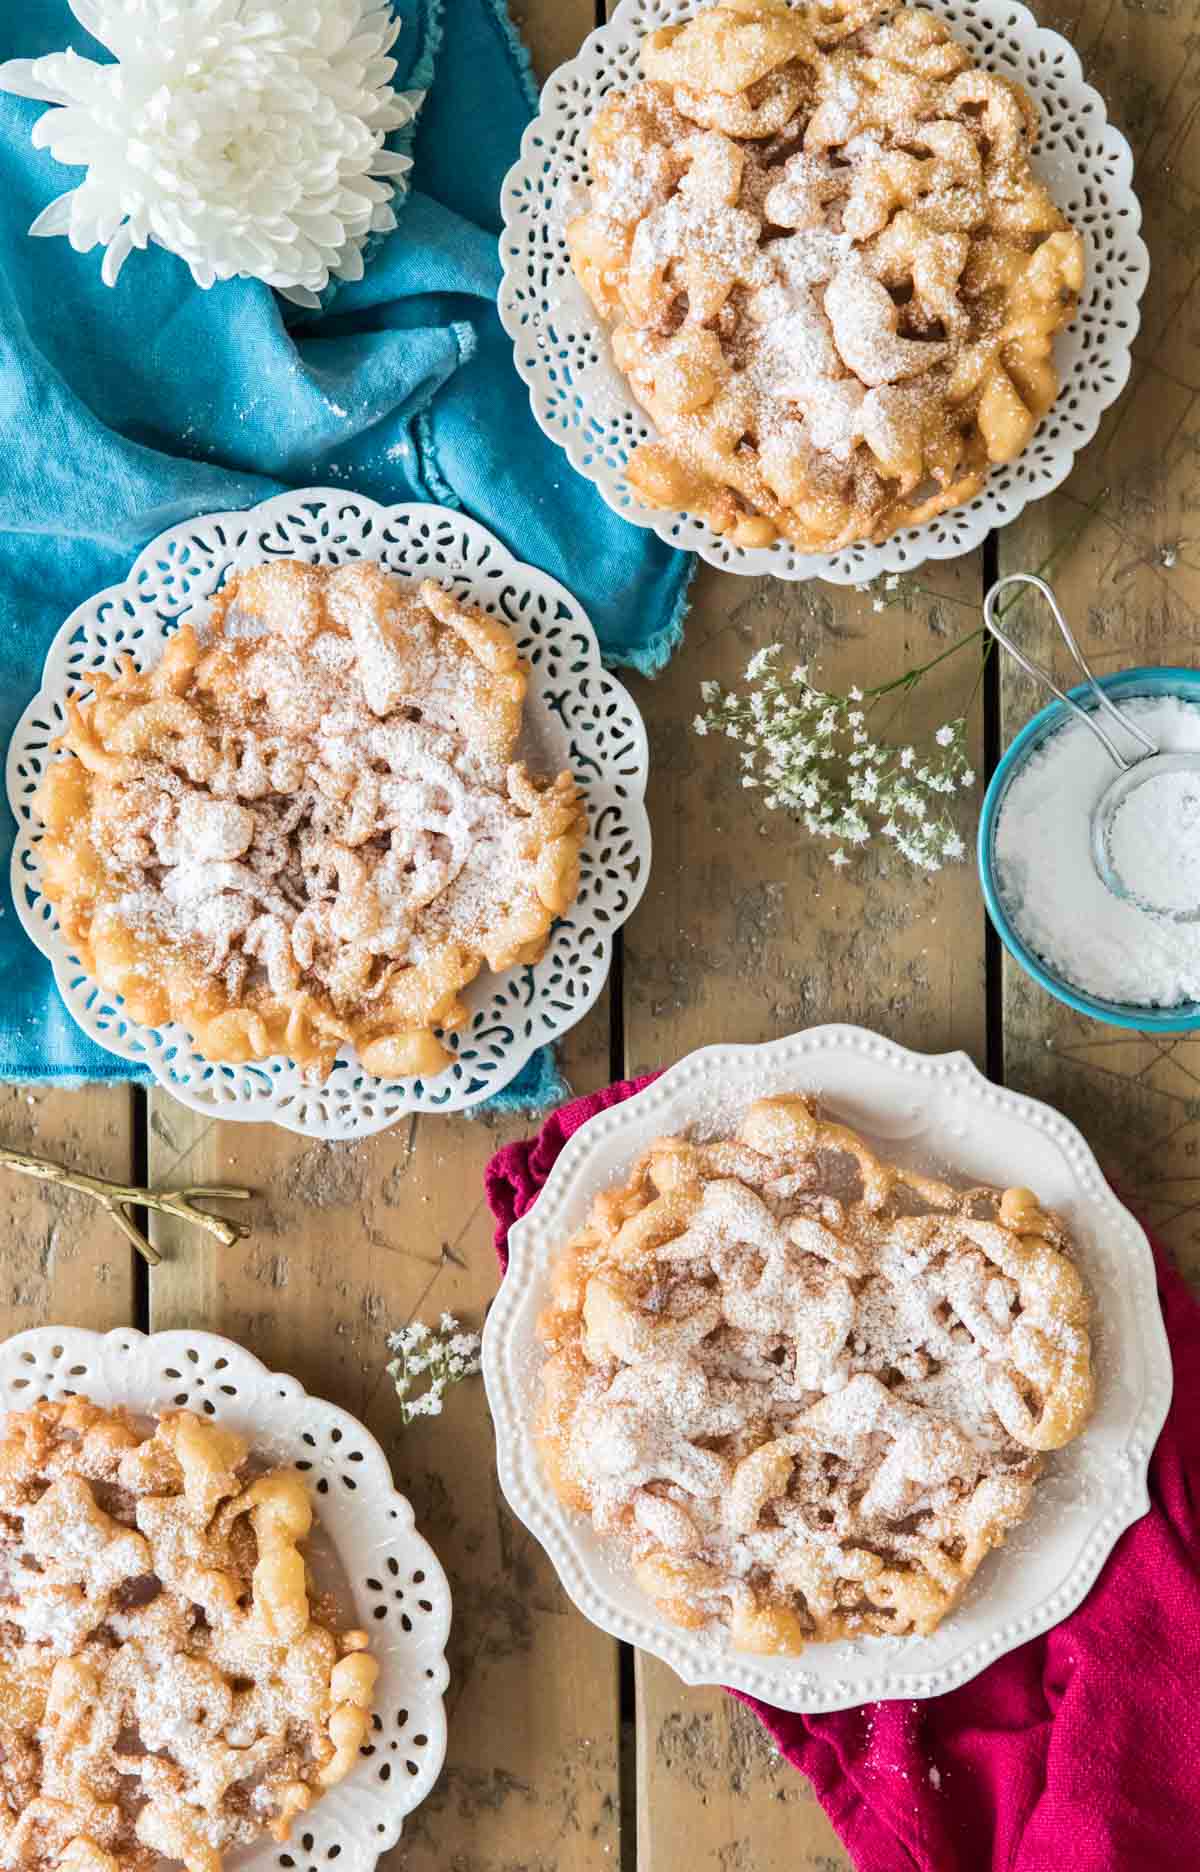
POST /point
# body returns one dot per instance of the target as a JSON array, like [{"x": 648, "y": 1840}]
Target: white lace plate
[
  {"x": 580, "y": 399},
  {"x": 938, "y": 1113},
  {"x": 364, "y": 1548},
  {"x": 576, "y": 716}
]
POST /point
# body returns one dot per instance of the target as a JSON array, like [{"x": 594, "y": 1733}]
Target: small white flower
[
  {"x": 878, "y": 604},
  {"x": 699, "y": 725},
  {"x": 820, "y": 762},
  {"x": 710, "y": 691},
  {"x": 445, "y": 1353},
  {"x": 839, "y": 859},
  {"x": 760, "y": 662},
  {"x": 892, "y": 582},
  {"x": 246, "y": 136}
]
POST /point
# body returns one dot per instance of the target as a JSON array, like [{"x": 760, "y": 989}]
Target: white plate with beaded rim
[
  {"x": 364, "y": 1547},
  {"x": 577, "y": 716},
  {"x": 936, "y": 1112},
  {"x": 562, "y": 348}
]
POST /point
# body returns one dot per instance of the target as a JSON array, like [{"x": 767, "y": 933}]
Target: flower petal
[
  {"x": 350, "y": 263},
  {"x": 115, "y": 255},
  {"x": 55, "y": 217},
  {"x": 17, "y": 76},
  {"x": 300, "y": 296},
  {"x": 94, "y": 18}
]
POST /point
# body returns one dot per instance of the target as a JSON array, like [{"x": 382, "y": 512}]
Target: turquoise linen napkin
[{"x": 125, "y": 410}]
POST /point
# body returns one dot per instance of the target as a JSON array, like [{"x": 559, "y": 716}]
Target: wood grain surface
[{"x": 565, "y": 1756}]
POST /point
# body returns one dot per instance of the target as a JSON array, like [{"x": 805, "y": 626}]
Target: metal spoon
[{"x": 1133, "y": 772}]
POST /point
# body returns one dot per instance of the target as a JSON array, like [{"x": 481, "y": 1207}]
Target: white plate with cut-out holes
[
  {"x": 937, "y": 1113},
  {"x": 562, "y": 348},
  {"x": 364, "y": 1548},
  {"x": 576, "y": 715}
]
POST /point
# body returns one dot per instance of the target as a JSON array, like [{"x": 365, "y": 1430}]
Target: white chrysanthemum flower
[{"x": 246, "y": 136}]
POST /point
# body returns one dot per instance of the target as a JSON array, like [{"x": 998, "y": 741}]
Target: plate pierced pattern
[
  {"x": 577, "y": 716},
  {"x": 386, "y": 1576},
  {"x": 580, "y": 399},
  {"x": 936, "y": 1113}
]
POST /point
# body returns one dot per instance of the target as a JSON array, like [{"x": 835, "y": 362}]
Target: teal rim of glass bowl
[{"x": 1183, "y": 683}]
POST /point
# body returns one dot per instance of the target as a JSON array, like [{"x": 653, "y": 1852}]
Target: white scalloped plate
[
  {"x": 364, "y": 1548},
  {"x": 577, "y": 716},
  {"x": 580, "y": 399},
  {"x": 939, "y": 1113}
]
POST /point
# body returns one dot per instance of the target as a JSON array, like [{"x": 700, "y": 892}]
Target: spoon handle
[{"x": 1086, "y": 716}]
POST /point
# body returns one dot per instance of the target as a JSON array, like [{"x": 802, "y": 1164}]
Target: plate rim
[
  {"x": 47, "y": 694},
  {"x": 829, "y": 568},
  {"x": 132, "y": 1341},
  {"x": 552, "y": 1526}
]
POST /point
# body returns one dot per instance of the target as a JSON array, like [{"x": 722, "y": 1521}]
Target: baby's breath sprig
[
  {"x": 904, "y": 588},
  {"x": 811, "y": 753},
  {"x": 444, "y": 1355}
]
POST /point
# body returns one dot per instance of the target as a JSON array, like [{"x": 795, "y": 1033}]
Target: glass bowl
[{"x": 1185, "y": 1015}]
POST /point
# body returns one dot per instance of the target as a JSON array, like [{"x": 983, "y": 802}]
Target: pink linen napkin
[{"x": 1079, "y": 1752}]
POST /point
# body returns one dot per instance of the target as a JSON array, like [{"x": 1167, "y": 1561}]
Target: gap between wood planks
[
  {"x": 627, "y": 1789},
  {"x": 993, "y": 954},
  {"x": 140, "y": 1175}
]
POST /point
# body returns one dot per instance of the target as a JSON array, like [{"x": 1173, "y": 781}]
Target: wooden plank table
[{"x": 565, "y": 1755}]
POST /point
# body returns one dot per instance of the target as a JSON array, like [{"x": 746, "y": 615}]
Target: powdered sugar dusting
[
  {"x": 780, "y": 1377},
  {"x": 321, "y": 797},
  {"x": 870, "y": 394}
]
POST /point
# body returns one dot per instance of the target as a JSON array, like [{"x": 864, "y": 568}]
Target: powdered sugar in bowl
[{"x": 1100, "y": 955}]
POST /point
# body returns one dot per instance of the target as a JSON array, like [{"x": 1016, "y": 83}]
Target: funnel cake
[
  {"x": 803, "y": 1390},
  {"x": 833, "y": 277},
  {"x": 170, "y": 1686},
  {"x": 306, "y": 826}
]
